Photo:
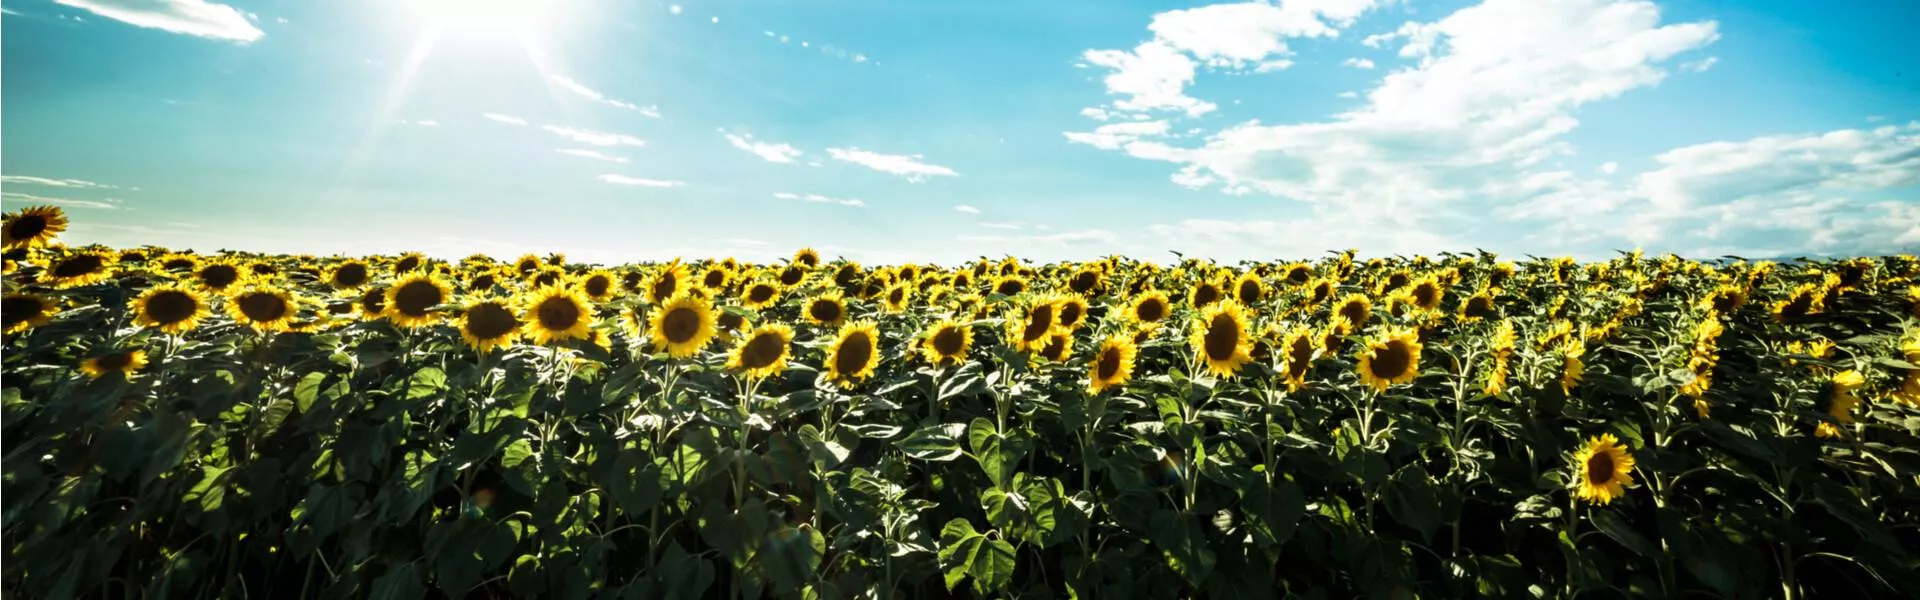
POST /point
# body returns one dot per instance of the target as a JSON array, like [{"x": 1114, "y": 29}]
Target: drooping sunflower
[
  {"x": 1392, "y": 358},
  {"x": 1603, "y": 470},
  {"x": 1205, "y": 293},
  {"x": 1574, "y": 369},
  {"x": 23, "y": 311},
  {"x": 1357, "y": 309},
  {"x": 683, "y": 325},
  {"x": 762, "y": 352},
  {"x": 1249, "y": 289},
  {"x": 827, "y": 310},
  {"x": 410, "y": 301},
  {"x": 1478, "y": 306},
  {"x": 1112, "y": 364},
  {"x": 1840, "y": 403},
  {"x": 262, "y": 307},
  {"x": 33, "y": 226},
  {"x": 349, "y": 275},
  {"x": 124, "y": 362},
  {"x": 668, "y": 282},
  {"x": 760, "y": 294},
  {"x": 171, "y": 308},
  {"x": 854, "y": 354},
  {"x": 808, "y": 257},
  {"x": 1029, "y": 327},
  {"x": 1072, "y": 312},
  {"x": 946, "y": 342},
  {"x": 1220, "y": 338},
  {"x": 1150, "y": 307},
  {"x": 1806, "y": 300},
  {"x": 1298, "y": 350},
  {"x": 78, "y": 269},
  {"x": 1500, "y": 356},
  {"x": 555, "y": 314}
]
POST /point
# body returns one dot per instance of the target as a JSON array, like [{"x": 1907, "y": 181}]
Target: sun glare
[{"x": 483, "y": 18}]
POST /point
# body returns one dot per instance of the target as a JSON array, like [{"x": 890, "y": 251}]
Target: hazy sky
[{"x": 890, "y": 130}]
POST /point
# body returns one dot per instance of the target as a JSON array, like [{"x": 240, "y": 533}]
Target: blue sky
[{"x": 897, "y": 130}]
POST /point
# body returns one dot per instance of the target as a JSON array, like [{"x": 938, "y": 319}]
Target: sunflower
[
  {"x": 408, "y": 263},
  {"x": 1150, "y": 307},
  {"x": 218, "y": 276},
  {"x": 1603, "y": 469},
  {"x": 1008, "y": 285},
  {"x": 1297, "y": 348},
  {"x": 716, "y": 277},
  {"x": 79, "y": 269},
  {"x": 1575, "y": 369},
  {"x": 1725, "y": 299},
  {"x": 760, "y": 294},
  {"x": 1427, "y": 293},
  {"x": 1205, "y": 292},
  {"x": 33, "y": 226},
  {"x": 1500, "y": 355},
  {"x": 1072, "y": 312},
  {"x": 410, "y": 301},
  {"x": 124, "y": 362},
  {"x": 667, "y": 283},
  {"x": 547, "y": 277},
  {"x": 372, "y": 303},
  {"x": 854, "y": 354},
  {"x": 1840, "y": 403},
  {"x": 526, "y": 264},
  {"x": 22, "y": 311},
  {"x": 808, "y": 257},
  {"x": 1030, "y": 328},
  {"x": 1059, "y": 346},
  {"x": 827, "y": 309},
  {"x": 1220, "y": 338},
  {"x": 348, "y": 275},
  {"x": 1806, "y": 300},
  {"x": 1501, "y": 272},
  {"x": 262, "y": 307},
  {"x": 946, "y": 342},
  {"x": 1248, "y": 289},
  {"x": 1320, "y": 291},
  {"x": 179, "y": 262},
  {"x": 1478, "y": 306},
  {"x": 1356, "y": 309},
  {"x": 1333, "y": 338},
  {"x": 1392, "y": 358},
  {"x": 1112, "y": 364},
  {"x": 762, "y": 352},
  {"x": 683, "y": 325},
  {"x": 793, "y": 275},
  {"x": 556, "y": 314},
  {"x": 1298, "y": 273},
  {"x": 597, "y": 285},
  {"x": 727, "y": 324},
  {"x": 1557, "y": 332},
  {"x": 483, "y": 280},
  {"x": 171, "y": 308}
]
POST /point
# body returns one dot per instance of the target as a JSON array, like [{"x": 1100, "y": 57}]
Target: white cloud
[
  {"x": 636, "y": 181},
  {"x": 1096, "y": 113},
  {"x": 1348, "y": 94},
  {"x": 779, "y": 153},
  {"x": 1609, "y": 167},
  {"x": 591, "y": 94},
  {"x": 1007, "y": 226},
  {"x": 1358, "y": 63},
  {"x": 853, "y": 202},
  {"x": 592, "y": 154},
  {"x": 508, "y": 119},
  {"x": 53, "y": 182},
  {"x": 966, "y": 209},
  {"x": 67, "y": 202},
  {"x": 1091, "y": 237},
  {"x": 190, "y": 17},
  {"x": 596, "y": 138},
  {"x": 1114, "y": 135},
  {"x": 1700, "y": 66},
  {"x": 908, "y": 166},
  {"x": 1152, "y": 77}
]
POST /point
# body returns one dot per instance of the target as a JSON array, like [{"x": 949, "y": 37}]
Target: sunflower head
[
  {"x": 1478, "y": 306},
  {"x": 668, "y": 282},
  {"x": 218, "y": 276},
  {"x": 1030, "y": 326},
  {"x": 372, "y": 303},
  {"x": 946, "y": 342},
  {"x": 31, "y": 227},
  {"x": 1205, "y": 293},
  {"x": 410, "y": 301},
  {"x": 1297, "y": 273},
  {"x": 1008, "y": 285},
  {"x": 1602, "y": 470},
  {"x": 682, "y": 326},
  {"x": 1112, "y": 364},
  {"x": 555, "y": 314},
  {"x": 123, "y": 362},
  {"x": 262, "y": 307},
  {"x": 1150, "y": 307},
  {"x": 716, "y": 277},
  {"x": 1220, "y": 338},
  {"x": 1320, "y": 291},
  {"x": 82, "y": 268},
  {"x": 1072, "y": 312},
  {"x": 793, "y": 275},
  {"x": 807, "y": 257},
  {"x": 762, "y": 352},
  {"x": 1059, "y": 346},
  {"x": 1248, "y": 289},
  {"x": 349, "y": 275},
  {"x": 1298, "y": 350},
  {"x": 854, "y": 354},
  {"x": 1393, "y": 357},
  {"x": 827, "y": 309},
  {"x": 896, "y": 297},
  {"x": 23, "y": 311},
  {"x": 408, "y": 263},
  {"x": 1085, "y": 280},
  {"x": 1427, "y": 293},
  {"x": 1357, "y": 309}
]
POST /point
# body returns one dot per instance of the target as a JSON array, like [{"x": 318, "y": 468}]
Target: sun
[{"x": 483, "y": 18}]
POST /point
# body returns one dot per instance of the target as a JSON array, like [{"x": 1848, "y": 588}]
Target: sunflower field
[{"x": 235, "y": 425}]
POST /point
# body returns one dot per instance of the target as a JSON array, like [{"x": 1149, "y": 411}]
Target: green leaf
[
  {"x": 399, "y": 583},
  {"x": 682, "y": 576},
  {"x": 1183, "y": 545},
  {"x": 789, "y": 557},
  {"x": 1412, "y": 501},
  {"x": 426, "y": 382},
  {"x": 936, "y": 443},
  {"x": 517, "y": 453},
  {"x": 305, "y": 392},
  {"x": 1274, "y": 510},
  {"x": 1616, "y": 528}
]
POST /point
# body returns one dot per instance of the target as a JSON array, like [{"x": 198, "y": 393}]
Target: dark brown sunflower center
[
  {"x": 1354, "y": 312},
  {"x": 1723, "y": 301},
  {"x": 406, "y": 264},
  {"x": 948, "y": 341},
  {"x": 1298, "y": 275},
  {"x": 760, "y": 293},
  {"x": 20, "y": 309},
  {"x": 598, "y": 285},
  {"x": 1600, "y": 468},
  {"x": 262, "y": 306},
  {"x": 374, "y": 301},
  {"x": 546, "y": 278},
  {"x": 219, "y": 276},
  {"x": 1084, "y": 282},
  {"x": 854, "y": 353},
  {"x": 825, "y": 311},
  {"x": 78, "y": 266},
  {"x": 115, "y": 361},
  {"x": 762, "y": 351},
  {"x": 1250, "y": 291},
  {"x": 1009, "y": 287},
  {"x": 665, "y": 286},
  {"x": 1151, "y": 310},
  {"x": 1480, "y": 306},
  {"x": 171, "y": 306},
  {"x": 811, "y": 260},
  {"x": 1396, "y": 280},
  {"x": 846, "y": 275},
  {"x": 1392, "y": 361},
  {"x": 897, "y": 295},
  {"x": 1206, "y": 294},
  {"x": 792, "y": 275},
  {"x": 481, "y": 282},
  {"x": 731, "y": 322},
  {"x": 490, "y": 320},
  {"x": 1108, "y": 365},
  {"x": 1320, "y": 292},
  {"x": 1798, "y": 306},
  {"x": 1426, "y": 294},
  {"x": 558, "y": 314},
  {"x": 714, "y": 279},
  {"x": 132, "y": 257},
  {"x": 178, "y": 263},
  {"x": 26, "y": 227},
  {"x": 1056, "y": 348},
  {"x": 1299, "y": 355},
  {"x": 415, "y": 297},
  {"x": 350, "y": 275},
  {"x": 263, "y": 269},
  {"x": 526, "y": 266},
  {"x": 1222, "y": 338},
  {"x": 680, "y": 324},
  {"x": 1070, "y": 313},
  {"x": 1039, "y": 321}
]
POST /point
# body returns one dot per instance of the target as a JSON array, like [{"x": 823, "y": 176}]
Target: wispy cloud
[
  {"x": 908, "y": 166},
  {"x": 854, "y": 202},
  {"x": 1359, "y": 63},
  {"x": 1700, "y": 66},
  {"x": 589, "y": 93},
  {"x": 779, "y": 153},
  {"x": 1091, "y": 237},
  {"x": 592, "y": 154},
  {"x": 65, "y": 183},
  {"x": 966, "y": 209},
  {"x": 508, "y": 119},
  {"x": 637, "y": 181},
  {"x": 420, "y": 123},
  {"x": 190, "y": 17},
  {"x": 1006, "y": 226},
  {"x": 596, "y": 138},
  {"x": 21, "y": 198}
]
